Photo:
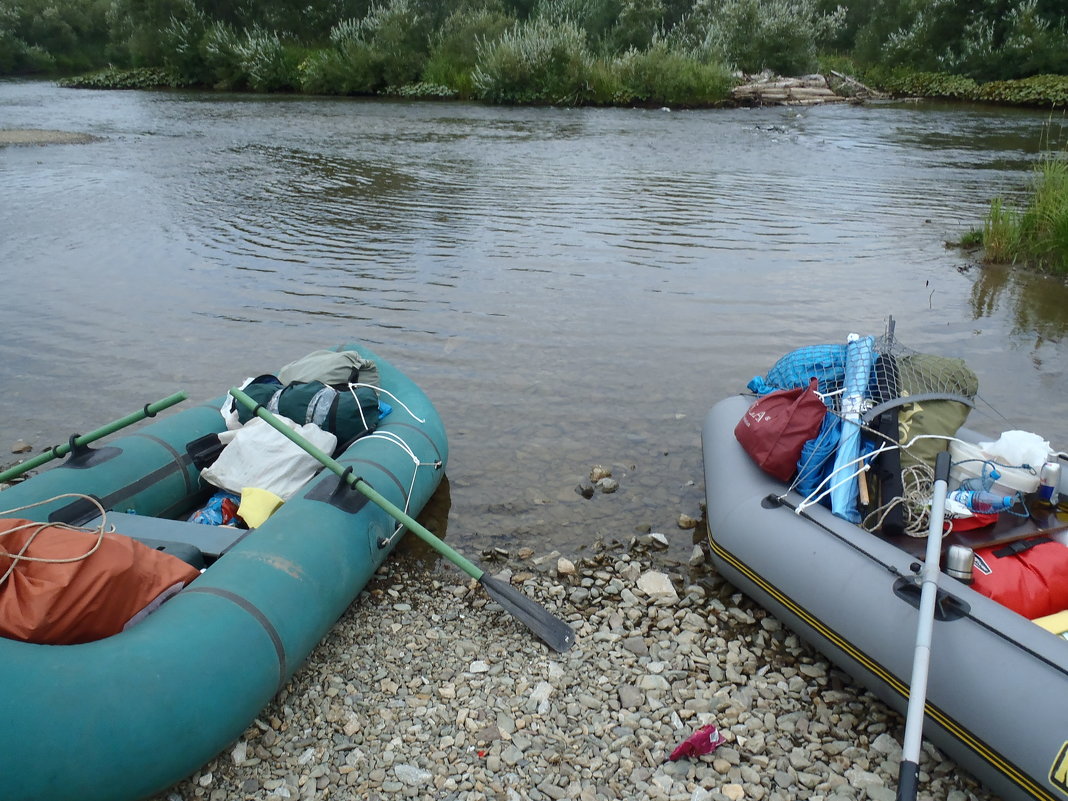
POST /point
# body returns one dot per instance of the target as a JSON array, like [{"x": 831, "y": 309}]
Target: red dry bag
[
  {"x": 1028, "y": 576},
  {"x": 775, "y": 428}
]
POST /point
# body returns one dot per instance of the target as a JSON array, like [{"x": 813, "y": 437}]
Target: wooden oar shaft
[
  {"x": 360, "y": 486},
  {"x": 148, "y": 410}
]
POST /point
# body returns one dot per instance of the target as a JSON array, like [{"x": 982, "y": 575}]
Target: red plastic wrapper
[
  {"x": 703, "y": 741},
  {"x": 977, "y": 520}
]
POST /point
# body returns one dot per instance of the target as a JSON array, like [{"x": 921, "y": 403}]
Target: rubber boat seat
[{"x": 194, "y": 543}]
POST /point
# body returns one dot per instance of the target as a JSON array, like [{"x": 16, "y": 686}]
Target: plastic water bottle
[
  {"x": 982, "y": 502},
  {"x": 983, "y": 482}
]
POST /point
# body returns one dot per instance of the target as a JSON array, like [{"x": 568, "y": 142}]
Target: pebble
[{"x": 456, "y": 700}]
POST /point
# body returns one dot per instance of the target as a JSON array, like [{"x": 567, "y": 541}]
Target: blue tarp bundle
[
  {"x": 860, "y": 357},
  {"x": 825, "y": 363},
  {"x": 817, "y": 456}
]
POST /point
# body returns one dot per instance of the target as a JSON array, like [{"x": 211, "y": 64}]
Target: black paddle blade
[{"x": 556, "y": 633}]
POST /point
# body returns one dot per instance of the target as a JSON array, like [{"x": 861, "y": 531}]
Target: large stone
[
  {"x": 657, "y": 586},
  {"x": 412, "y": 776}
]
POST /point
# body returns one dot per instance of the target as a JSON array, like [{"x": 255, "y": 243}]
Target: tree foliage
[{"x": 530, "y": 50}]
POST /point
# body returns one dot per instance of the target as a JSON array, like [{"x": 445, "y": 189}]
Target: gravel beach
[{"x": 427, "y": 689}]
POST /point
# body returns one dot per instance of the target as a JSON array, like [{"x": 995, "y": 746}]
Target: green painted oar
[
  {"x": 55, "y": 452},
  {"x": 555, "y": 632}
]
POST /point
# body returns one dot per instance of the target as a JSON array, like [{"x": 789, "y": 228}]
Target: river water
[{"x": 571, "y": 286}]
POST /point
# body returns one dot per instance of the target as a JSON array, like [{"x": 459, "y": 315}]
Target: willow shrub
[
  {"x": 540, "y": 62},
  {"x": 349, "y": 70},
  {"x": 270, "y": 64},
  {"x": 780, "y": 35},
  {"x": 348, "y": 66},
  {"x": 454, "y": 48},
  {"x": 386, "y": 48},
  {"x": 665, "y": 76},
  {"x": 398, "y": 34}
]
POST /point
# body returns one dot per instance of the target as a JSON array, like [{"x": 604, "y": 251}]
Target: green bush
[
  {"x": 635, "y": 26},
  {"x": 754, "y": 35},
  {"x": 269, "y": 65},
  {"x": 537, "y": 62},
  {"x": 181, "y": 42},
  {"x": 352, "y": 69},
  {"x": 136, "y": 78},
  {"x": 220, "y": 47},
  {"x": 454, "y": 48},
  {"x": 1038, "y": 90},
  {"x": 421, "y": 91},
  {"x": 984, "y": 41},
  {"x": 665, "y": 76},
  {"x": 399, "y": 36},
  {"x": 1044, "y": 222},
  {"x": 1001, "y": 233},
  {"x": 387, "y": 47},
  {"x": 926, "y": 84}
]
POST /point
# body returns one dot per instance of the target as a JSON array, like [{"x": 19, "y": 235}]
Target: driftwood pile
[{"x": 767, "y": 89}]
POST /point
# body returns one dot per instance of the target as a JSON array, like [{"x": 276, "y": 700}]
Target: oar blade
[{"x": 554, "y": 632}]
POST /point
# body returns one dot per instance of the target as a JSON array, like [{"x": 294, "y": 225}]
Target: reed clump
[{"x": 1036, "y": 234}]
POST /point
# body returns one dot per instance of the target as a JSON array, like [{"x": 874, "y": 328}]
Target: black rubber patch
[
  {"x": 947, "y": 607},
  {"x": 338, "y": 493},
  {"x": 90, "y": 457}
]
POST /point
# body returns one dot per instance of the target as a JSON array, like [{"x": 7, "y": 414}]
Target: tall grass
[
  {"x": 1044, "y": 223},
  {"x": 1001, "y": 233},
  {"x": 1037, "y": 234}
]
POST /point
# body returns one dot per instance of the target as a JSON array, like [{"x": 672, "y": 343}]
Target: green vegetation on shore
[
  {"x": 1035, "y": 235},
  {"x": 604, "y": 52}
]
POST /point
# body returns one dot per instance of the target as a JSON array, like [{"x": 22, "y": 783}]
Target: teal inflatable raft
[{"x": 127, "y": 716}]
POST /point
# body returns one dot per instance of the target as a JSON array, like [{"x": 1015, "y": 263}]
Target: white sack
[
  {"x": 1017, "y": 448},
  {"x": 258, "y": 456}
]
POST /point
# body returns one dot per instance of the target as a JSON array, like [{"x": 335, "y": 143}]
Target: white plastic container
[{"x": 1013, "y": 479}]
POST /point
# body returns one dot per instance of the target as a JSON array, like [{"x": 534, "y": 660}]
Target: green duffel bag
[{"x": 343, "y": 413}]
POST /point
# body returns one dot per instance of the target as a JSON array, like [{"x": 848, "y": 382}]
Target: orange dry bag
[{"x": 63, "y": 586}]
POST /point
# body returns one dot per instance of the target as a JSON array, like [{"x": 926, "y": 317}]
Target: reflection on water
[
  {"x": 1035, "y": 302},
  {"x": 571, "y": 286}
]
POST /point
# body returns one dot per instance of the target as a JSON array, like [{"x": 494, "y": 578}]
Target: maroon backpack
[{"x": 777, "y": 426}]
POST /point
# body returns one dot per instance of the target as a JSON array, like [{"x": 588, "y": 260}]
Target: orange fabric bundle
[{"x": 93, "y": 587}]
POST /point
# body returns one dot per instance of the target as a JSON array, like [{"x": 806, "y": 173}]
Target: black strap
[{"x": 1020, "y": 546}]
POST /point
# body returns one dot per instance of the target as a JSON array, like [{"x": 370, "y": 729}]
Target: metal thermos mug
[{"x": 959, "y": 562}]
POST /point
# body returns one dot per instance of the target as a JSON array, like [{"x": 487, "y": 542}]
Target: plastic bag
[
  {"x": 258, "y": 456},
  {"x": 1017, "y": 448}
]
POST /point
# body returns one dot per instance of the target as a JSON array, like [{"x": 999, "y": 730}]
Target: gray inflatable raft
[{"x": 997, "y": 697}]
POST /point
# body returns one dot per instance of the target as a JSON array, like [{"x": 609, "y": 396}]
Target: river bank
[{"x": 425, "y": 689}]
